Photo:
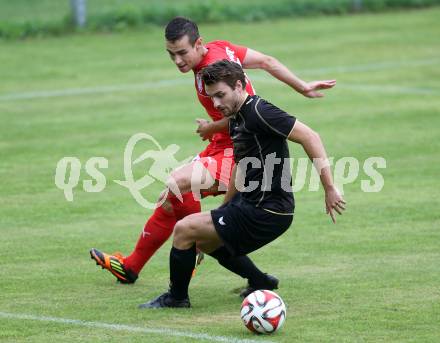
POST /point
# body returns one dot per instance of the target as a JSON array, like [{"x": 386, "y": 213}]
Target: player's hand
[
  {"x": 312, "y": 88},
  {"x": 203, "y": 129},
  {"x": 334, "y": 202}
]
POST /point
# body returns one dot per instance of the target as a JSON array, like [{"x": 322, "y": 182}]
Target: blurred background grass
[{"x": 27, "y": 18}]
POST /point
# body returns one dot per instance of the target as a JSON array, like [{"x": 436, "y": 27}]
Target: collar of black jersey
[{"x": 246, "y": 103}]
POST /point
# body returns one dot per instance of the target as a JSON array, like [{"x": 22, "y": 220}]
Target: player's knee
[
  {"x": 181, "y": 230},
  {"x": 164, "y": 202},
  {"x": 185, "y": 229},
  {"x": 178, "y": 182},
  {"x": 167, "y": 206}
]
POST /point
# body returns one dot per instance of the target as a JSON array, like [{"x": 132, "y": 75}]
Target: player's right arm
[
  {"x": 232, "y": 189},
  {"x": 207, "y": 128},
  {"x": 258, "y": 60}
]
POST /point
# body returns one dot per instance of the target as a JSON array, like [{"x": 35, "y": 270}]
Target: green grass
[
  {"x": 47, "y": 10},
  {"x": 374, "y": 277},
  {"x": 22, "y": 19}
]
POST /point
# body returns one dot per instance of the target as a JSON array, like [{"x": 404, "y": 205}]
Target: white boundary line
[
  {"x": 386, "y": 65},
  {"x": 368, "y": 88},
  {"x": 92, "y": 90},
  {"x": 128, "y": 328}
]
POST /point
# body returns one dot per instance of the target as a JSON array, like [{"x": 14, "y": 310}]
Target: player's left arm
[
  {"x": 312, "y": 145},
  {"x": 258, "y": 60},
  {"x": 207, "y": 128}
]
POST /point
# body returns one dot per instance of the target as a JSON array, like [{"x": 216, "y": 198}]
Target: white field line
[
  {"x": 93, "y": 90},
  {"x": 387, "y": 65},
  {"x": 128, "y": 328},
  {"x": 390, "y": 89},
  {"x": 385, "y": 88}
]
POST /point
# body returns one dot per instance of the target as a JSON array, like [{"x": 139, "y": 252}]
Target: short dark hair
[
  {"x": 226, "y": 71},
  {"x": 179, "y": 27}
]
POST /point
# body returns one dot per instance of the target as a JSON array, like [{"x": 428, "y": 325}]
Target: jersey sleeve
[
  {"x": 239, "y": 50},
  {"x": 271, "y": 120}
]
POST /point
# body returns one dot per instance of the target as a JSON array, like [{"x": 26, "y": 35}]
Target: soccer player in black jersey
[{"x": 252, "y": 215}]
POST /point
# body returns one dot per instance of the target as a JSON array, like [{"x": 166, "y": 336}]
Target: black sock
[
  {"x": 240, "y": 265},
  {"x": 181, "y": 267}
]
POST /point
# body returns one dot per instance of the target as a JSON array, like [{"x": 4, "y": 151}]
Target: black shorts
[{"x": 244, "y": 228}]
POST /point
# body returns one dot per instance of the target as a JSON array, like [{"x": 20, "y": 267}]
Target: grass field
[
  {"x": 374, "y": 277},
  {"x": 44, "y": 10},
  {"x": 48, "y": 10}
]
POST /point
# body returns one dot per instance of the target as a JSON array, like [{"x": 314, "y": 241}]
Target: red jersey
[{"x": 217, "y": 51}]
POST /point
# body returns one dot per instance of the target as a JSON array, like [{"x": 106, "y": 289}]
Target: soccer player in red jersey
[{"x": 186, "y": 49}]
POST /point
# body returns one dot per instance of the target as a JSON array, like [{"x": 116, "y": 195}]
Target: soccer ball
[{"x": 263, "y": 312}]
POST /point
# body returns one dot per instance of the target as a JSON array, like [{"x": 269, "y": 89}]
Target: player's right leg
[
  {"x": 114, "y": 264},
  {"x": 160, "y": 225}
]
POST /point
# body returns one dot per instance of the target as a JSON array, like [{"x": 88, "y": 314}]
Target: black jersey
[{"x": 259, "y": 131}]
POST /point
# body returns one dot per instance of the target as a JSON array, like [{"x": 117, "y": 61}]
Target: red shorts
[{"x": 219, "y": 163}]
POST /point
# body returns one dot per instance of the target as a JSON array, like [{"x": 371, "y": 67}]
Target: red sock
[
  {"x": 158, "y": 229},
  {"x": 185, "y": 208}
]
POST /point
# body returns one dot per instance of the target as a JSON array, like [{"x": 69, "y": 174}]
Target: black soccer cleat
[
  {"x": 166, "y": 300},
  {"x": 270, "y": 284}
]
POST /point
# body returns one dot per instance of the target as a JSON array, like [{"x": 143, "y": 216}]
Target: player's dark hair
[
  {"x": 179, "y": 27},
  {"x": 226, "y": 71}
]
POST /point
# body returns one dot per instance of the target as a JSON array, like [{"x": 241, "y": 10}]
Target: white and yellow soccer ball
[{"x": 263, "y": 311}]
